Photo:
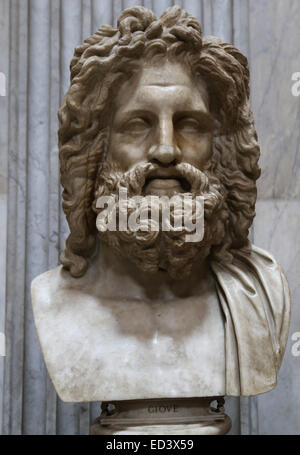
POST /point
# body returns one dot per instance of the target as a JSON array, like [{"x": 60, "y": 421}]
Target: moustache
[{"x": 143, "y": 179}]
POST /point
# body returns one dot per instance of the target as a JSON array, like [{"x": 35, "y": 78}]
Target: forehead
[{"x": 163, "y": 84}]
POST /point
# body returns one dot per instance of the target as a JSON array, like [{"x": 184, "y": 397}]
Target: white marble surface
[
  {"x": 102, "y": 348},
  {"x": 113, "y": 335}
]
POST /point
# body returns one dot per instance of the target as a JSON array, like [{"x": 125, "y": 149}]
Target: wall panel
[
  {"x": 16, "y": 215},
  {"x": 4, "y": 70},
  {"x": 277, "y": 229},
  {"x": 275, "y": 56},
  {"x": 159, "y": 6},
  {"x": 274, "y": 37},
  {"x": 102, "y": 13},
  {"x": 194, "y": 8}
]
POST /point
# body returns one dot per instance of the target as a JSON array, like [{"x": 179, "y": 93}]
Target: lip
[
  {"x": 164, "y": 173},
  {"x": 165, "y": 186},
  {"x": 164, "y": 183}
]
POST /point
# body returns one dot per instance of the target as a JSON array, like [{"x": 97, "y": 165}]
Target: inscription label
[{"x": 162, "y": 409}]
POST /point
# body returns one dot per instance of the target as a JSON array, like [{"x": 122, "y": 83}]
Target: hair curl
[{"x": 111, "y": 56}]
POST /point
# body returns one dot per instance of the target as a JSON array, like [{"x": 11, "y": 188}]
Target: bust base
[{"x": 192, "y": 416}]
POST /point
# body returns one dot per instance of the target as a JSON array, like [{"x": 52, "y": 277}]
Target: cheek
[
  {"x": 197, "y": 151},
  {"x": 124, "y": 153}
]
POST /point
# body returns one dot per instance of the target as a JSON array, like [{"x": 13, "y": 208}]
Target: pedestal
[{"x": 184, "y": 416}]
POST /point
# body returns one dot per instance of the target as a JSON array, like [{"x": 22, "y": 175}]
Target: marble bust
[{"x": 159, "y": 110}]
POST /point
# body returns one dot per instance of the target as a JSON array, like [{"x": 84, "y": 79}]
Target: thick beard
[{"x": 152, "y": 250}]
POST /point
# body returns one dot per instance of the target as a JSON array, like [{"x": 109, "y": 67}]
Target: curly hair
[{"x": 101, "y": 65}]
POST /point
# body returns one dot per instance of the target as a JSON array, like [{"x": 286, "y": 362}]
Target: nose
[
  {"x": 166, "y": 150},
  {"x": 164, "y": 154}
]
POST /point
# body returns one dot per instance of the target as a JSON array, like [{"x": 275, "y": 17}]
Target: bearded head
[{"x": 156, "y": 109}]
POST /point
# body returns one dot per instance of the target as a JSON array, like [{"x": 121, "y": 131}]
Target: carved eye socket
[
  {"x": 136, "y": 125},
  {"x": 188, "y": 124},
  {"x": 193, "y": 125}
]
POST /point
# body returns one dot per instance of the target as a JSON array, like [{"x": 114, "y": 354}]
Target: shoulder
[
  {"x": 255, "y": 277},
  {"x": 47, "y": 287},
  {"x": 46, "y": 279},
  {"x": 270, "y": 274},
  {"x": 267, "y": 271},
  {"x": 274, "y": 291},
  {"x": 44, "y": 289},
  {"x": 48, "y": 283}
]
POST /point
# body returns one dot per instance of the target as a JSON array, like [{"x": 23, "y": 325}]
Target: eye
[
  {"x": 188, "y": 124},
  {"x": 136, "y": 125},
  {"x": 193, "y": 125}
]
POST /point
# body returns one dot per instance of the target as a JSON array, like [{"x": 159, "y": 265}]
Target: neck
[{"x": 119, "y": 278}]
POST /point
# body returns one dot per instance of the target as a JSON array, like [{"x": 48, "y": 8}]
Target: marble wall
[
  {"x": 39, "y": 37},
  {"x": 4, "y": 58},
  {"x": 274, "y": 54}
]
